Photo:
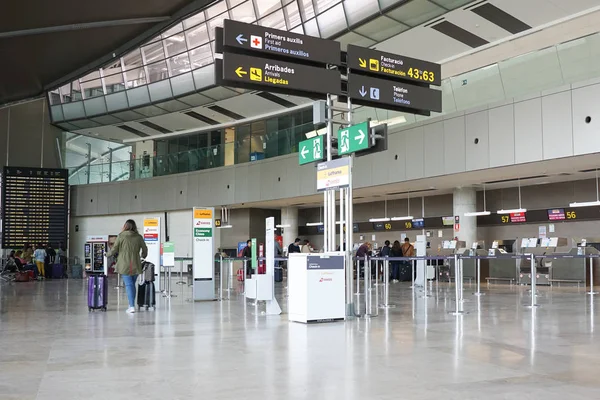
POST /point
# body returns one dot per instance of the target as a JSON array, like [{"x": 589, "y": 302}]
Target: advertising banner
[
  {"x": 203, "y": 253},
  {"x": 151, "y": 233}
]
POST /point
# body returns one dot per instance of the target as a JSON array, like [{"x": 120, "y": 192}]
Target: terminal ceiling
[
  {"x": 435, "y": 35},
  {"x": 43, "y": 41}
]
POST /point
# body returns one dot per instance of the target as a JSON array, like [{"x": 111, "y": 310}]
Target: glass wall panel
[
  {"x": 153, "y": 52},
  {"x": 173, "y": 30},
  {"x": 292, "y": 15},
  {"x": 179, "y": 64},
  {"x": 135, "y": 77},
  {"x": 197, "y": 36},
  {"x": 324, "y": 5},
  {"x": 201, "y": 56},
  {"x": 244, "y": 12},
  {"x": 132, "y": 60},
  {"x": 157, "y": 71},
  {"x": 274, "y": 20},
  {"x": 332, "y": 21},
  {"x": 266, "y": 7},
  {"x": 216, "y": 9},
  {"x": 306, "y": 8},
  {"x": 92, "y": 88},
  {"x": 175, "y": 44},
  {"x": 194, "y": 20},
  {"x": 242, "y": 144}
]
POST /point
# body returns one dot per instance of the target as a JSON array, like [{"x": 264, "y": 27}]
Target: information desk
[{"x": 316, "y": 287}]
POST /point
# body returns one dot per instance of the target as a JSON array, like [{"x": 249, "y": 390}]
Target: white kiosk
[{"x": 316, "y": 287}]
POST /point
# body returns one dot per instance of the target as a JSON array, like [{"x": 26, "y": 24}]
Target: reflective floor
[{"x": 52, "y": 348}]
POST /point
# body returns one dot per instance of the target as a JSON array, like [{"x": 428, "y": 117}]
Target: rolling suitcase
[
  {"x": 97, "y": 292},
  {"x": 77, "y": 271},
  {"x": 146, "y": 296},
  {"x": 22, "y": 277},
  {"x": 278, "y": 274},
  {"x": 57, "y": 271}
]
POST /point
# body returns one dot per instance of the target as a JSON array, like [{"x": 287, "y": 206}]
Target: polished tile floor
[{"x": 52, "y": 348}]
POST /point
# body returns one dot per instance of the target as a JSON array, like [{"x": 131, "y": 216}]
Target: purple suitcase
[
  {"x": 97, "y": 292},
  {"x": 57, "y": 271}
]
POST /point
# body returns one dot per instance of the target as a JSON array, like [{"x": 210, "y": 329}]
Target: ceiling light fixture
[
  {"x": 515, "y": 210},
  {"x": 589, "y": 203},
  {"x": 225, "y": 227},
  {"x": 320, "y": 218},
  {"x": 283, "y": 226},
  {"x": 479, "y": 213}
]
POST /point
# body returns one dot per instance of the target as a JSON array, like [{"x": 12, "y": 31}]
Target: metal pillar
[
  {"x": 110, "y": 160},
  {"x": 591, "y": 292},
  {"x": 533, "y": 283},
  {"x": 386, "y": 286},
  {"x": 89, "y": 162},
  {"x": 350, "y": 308},
  {"x": 478, "y": 292},
  {"x": 458, "y": 281}
]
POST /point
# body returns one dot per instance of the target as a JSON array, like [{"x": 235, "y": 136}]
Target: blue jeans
[{"x": 129, "y": 282}]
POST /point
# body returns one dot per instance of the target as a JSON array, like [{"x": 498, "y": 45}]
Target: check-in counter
[
  {"x": 446, "y": 269},
  {"x": 502, "y": 269}
]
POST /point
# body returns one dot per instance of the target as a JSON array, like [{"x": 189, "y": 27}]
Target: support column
[
  {"x": 289, "y": 216},
  {"x": 465, "y": 200}
]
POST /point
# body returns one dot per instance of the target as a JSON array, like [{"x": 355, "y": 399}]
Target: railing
[{"x": 250, "y": 149}]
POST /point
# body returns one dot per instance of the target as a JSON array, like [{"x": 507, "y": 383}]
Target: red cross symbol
[{"x": 256, "y": 42}]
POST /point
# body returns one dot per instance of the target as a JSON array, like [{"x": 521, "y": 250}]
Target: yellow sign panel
[
  {"x": 151, "y": 222},
  {"x": 374, "y": 64},
  {"x": 256, "y": 74},
  {"x": 333, "y": 174},
  {"x": 202, "y": 214}
]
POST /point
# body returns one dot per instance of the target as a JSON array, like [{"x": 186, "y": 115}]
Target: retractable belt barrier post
[
  {"x": 478, "y": 277},
  {"x": 386, "y": 285},
  {"x": 533, "y": 282},
  {"x": 591, "y": 292}
]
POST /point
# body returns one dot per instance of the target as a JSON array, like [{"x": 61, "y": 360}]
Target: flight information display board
[{"x": 34, "y": 206}]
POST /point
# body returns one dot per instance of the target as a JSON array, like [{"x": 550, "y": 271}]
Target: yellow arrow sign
[
  {"x": 240, "y": 72},
  {"x": 362, "y": 63}
]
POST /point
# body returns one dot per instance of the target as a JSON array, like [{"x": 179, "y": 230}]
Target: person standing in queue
[
  {"x": 385, "y": 252},
  {"x": 39, "y": 255},
  {"x": 294, "y": 247},
  {"x": 396, "y": 251},
  {"x": 128, "y": 245},
  {"x": 247, "y": 253},
  {"x": 363, "y": 251}
]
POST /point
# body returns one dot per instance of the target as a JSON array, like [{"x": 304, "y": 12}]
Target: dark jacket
[
  {"x": 293, "y": 248},
  {"x": 385, "y": 251},
  {"x": 128, "y": 246},
  {"x": 362, "y": 251},
  {"x": 247, "y": 252}
]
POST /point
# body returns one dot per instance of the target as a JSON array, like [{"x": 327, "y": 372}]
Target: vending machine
[{"x": 95, "y": 250}]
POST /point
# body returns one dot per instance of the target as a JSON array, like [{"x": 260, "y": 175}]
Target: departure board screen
[{"x": 34, "y": 206}]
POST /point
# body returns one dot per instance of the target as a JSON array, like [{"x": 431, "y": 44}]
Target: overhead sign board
[
  {"x": 310, "y": 150},
  {"x": 376, "y": 91},
  {"x": 353, "y": 138},
  {"x": 278, "y": 76},
  {"x": 260, "y": 39},
  {"x": 333, "y": 174},
  {"x": 394, "y": 66}
]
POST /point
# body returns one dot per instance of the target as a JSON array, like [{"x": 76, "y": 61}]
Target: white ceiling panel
[
  {"x": 143, "y": 128},
  {"x": 220, "y": 118},
  {"x": 249, "y": 105},
  {"x": 219, "y": 93},
  {"x": 477, "y": 25},
  {"x": 423, "y": 43},
  {"x": 295, "y": 99},
  {"x": 177, "y": 122},
  {"x": 539, "y": 12},
  {"x": 109, "y": 132}
]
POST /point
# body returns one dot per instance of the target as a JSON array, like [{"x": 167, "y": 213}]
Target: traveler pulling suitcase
[{"x": 97, "y": 292}]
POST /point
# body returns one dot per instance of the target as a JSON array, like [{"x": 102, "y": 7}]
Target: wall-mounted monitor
[{"x": 556, "y": 214}]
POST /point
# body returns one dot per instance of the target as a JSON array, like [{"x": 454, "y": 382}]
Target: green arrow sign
[
  {"x": 311, "y": 150},
  {"x": 353, "y": 138}
]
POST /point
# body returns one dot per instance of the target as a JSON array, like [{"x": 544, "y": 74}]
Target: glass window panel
[
  {"x": 135, "y": 77},
  {"x": 354, "y": 38},
  {"x": 201, "y": 56},
  {"x": 324, "y": 5},
  {"x": 389, "y": 3},
  {"x": 266, "y": 7},
  {"x": 76, "y": 91},
  {"x": 175, "y": 44},
  {"x": 531, "y": 72},
  {"x": 474, "y": 88},
  {"x": 580, "y": 59},
  {"x": 381, "y": 28},
  {"x": 175, "y": 29},
  {"x": 217, "y": 9},
  {"x": 91, "y": 76},
  {"x": 358, "y": 10},
  {"x": 157, "y": 71},
  {"x": 306, "y": 8},
  {"x": 416, "y": 12},
  {"x": 275, "y": 20},
  {"x": 311, "y": 28},
  {"x": 332, "y": 21},
  {"x": 215, "y": 22},
  {"x": 452, "y": 4},
  {"x": 197, "y": 36},
  {"x": 299, "y": 29},
  {"x": 114, "y": 83},
  {"x": 92, "y": 88},
  {"x": 54, "y": 98},
  {"x": 179, "y": 64},
  {"x": 292, "y": 15},
  {"x": 153, "y": 52},
  {"x": 65, "y": 93},
  {"x": 194, "y": 20},
  {"x": 133, "y": 60},
  {"x": 233, "y": 3},
  {"x": 244, "y": 13}
]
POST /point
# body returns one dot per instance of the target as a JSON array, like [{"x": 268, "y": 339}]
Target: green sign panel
[
  {"x": 254, "y": 260},
  {"x": 203, "y": 232},
  {"x": 168, "y": 247},
  {"x": 353, "y": 138},
  {"x": 311, "y": 150}
]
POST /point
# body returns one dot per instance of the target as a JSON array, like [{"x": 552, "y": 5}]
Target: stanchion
[
  {"x": 181, "y": 281},
  {"x": 478, "y": 292},
  {"x": 221, "y": 290},
  {"x": 386, "y": 286},
  {"x": 533, "y": 283},
  {"x": 412, "y": 273},
  {"x": 367, "y": 286},
  {"x": 164, "y": 279},
  {"x": 119, "y": 279},
  {"x": 458, "y": 287},
  {"x": 425, "y": 280},
  {"x": 167, "y": 294},
  {"x": 357, "y": 267},
  {"x": 592, "y": 292}
]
